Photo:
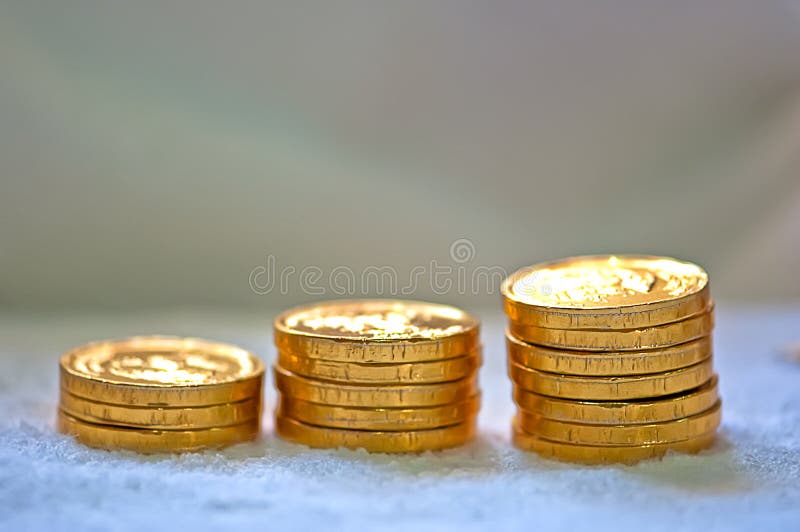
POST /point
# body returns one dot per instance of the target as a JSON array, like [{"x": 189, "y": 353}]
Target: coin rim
[
  {"x": 374, "y": 395},
  {"x": 612, "y": 435},
  {"x": 629, "y": 412},
  {"x": 471, "y": 363},
  {"x": 589, "y": 385},
  {"x": 351, "y": 349},
  {"x": 204, "y": 345},
  {"x": 149, "y": 441},
  {"x": 209, "y": 395},
  {"x": 656, "y": 337},
  {"x": 508, "y": 283},
  {"x": 202, "y": 417},
  {"x": 352, "y": 418},
  {"x": 376, "y": 441},
  {"x": 604, "y": 455},
  {"x": 544, "y": 358}
]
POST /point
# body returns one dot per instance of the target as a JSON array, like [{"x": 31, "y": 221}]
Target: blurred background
[{"x": 172, "y": 154}]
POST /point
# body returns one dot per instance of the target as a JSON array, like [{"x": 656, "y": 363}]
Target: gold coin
[
  {"x": 656, "y": 337},
  {"x": 375, "y": 441},
  {"x": 362, "y": 395},
  {"x": 376, "y": 373},
  {"x": 161, "y": 371},
  {"x": 607, "y": 363},
  {"x": 617, "y": 413},
  {"x": 172, "y": 418},
  {"x": 606, "y": 292},
  {"x": 640, "y": 434},
  {"x": 611, "y": 388},
  {"x": 378, "y": 419},
  {"x": 155, "y": 441},
  {"x": 382, "y": 331},
  {"x": 591, "y": 454}
]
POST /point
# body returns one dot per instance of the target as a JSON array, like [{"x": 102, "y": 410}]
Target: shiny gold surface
[
  {"x": 161, "y": 361},
  {"x": 174, "y": 418},
  {"x": 360, "y": 395},
  {"x": 617, "y": 413},
  {"x": 611, "y": 388},
  {"x": 606, "y": 291},
  {"x": 638, "y": 434},
  {"x": 607, "y": 363},
  {"x": 656, "y": 337},
  {"x": 161, "y": 371},
  {"x": 155, "y": 441},
  {"x": 375, "y": 441},
  {"x": 378, "y": 419},
  {"x": 382, "y": 331},
  {"x": 375, "y": 373},
  {"x": 588, "y": 454}
]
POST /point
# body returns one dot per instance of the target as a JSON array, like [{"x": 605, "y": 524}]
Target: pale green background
[{"x": 154, "y": 153}]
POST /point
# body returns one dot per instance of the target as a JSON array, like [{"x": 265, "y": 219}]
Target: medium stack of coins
[
  {"x": 610, "y": 358},
  {"x": 382, "y": 375},
  {"x": 160, "y": 394}
]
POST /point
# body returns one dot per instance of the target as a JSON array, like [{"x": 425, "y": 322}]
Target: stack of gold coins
[
  {"x": 382, "y": 375},
  {"x": 610, "y": 357},
  {"x": 160, "y": 394}
]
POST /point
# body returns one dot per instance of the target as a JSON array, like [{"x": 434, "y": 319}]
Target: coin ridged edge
[
  {"x": 146, "y": 441},
  {"x": 161, "y": 418},
  {"x": 668, "y": 408},
  {"x": 612, "y": 388},
  {"x": 207, "y": 395},
  {"x": 378, "y": 419},
  {"x": 429, "y": 372},
  {"x": 598, "y": 455},
  {"x": 615, "y": 435},
  {"x": 375, "y": 441},
  {"x": 388, "y": 396},
  {"x": 659, "y": 336},
  {"x": 619, "y": 363}
]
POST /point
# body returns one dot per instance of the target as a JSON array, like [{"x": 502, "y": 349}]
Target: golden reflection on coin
[
  {"x": 611, "y": 388},
  {"x": 659, "y": 336},
  {"x": 172, "y": 418},
  {"x": 361, "y": 395},
  {"x": 638, "y": 434},
  {"x": 378, "y": 419},
  {"x": 148, "y": 441},
  {"x": 382, "y": 331},
  {"x": 618, "y": 413},
  {"x": 375, "y": 441},
  {"x": 606, "y": 292},
  {"x": 596, "y": 455},
  {"x": 161, "y": 371},
  {"x": 607, "y": 363},
  {"x": 374, "y": 373}
]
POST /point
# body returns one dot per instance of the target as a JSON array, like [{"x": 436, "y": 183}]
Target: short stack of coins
[
  {"x": 611, "y": 358},
  {"x": 160, "y": 394},
  {"x": 383, "y": 375}
]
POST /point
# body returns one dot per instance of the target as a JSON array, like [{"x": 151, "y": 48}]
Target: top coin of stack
[
  {"x": 160, "y": 394},
  {"x": 383, "y": 375},
  {"x": 611, "y": 358}
]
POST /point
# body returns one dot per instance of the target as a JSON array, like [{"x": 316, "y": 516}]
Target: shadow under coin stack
[
  {"x": 382, "y": 375},
  {"x": 160, "y": 394},
  {"x": 610, "y": 358}
]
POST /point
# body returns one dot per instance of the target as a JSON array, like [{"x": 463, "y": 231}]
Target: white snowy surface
[{"x": 750, "y": 480}]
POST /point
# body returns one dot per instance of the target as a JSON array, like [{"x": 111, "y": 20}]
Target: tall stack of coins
[
  {"x": 383, "y": 375},
  {"x": 610, "y": 358},
  {"x": 160, "y": 394}
]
